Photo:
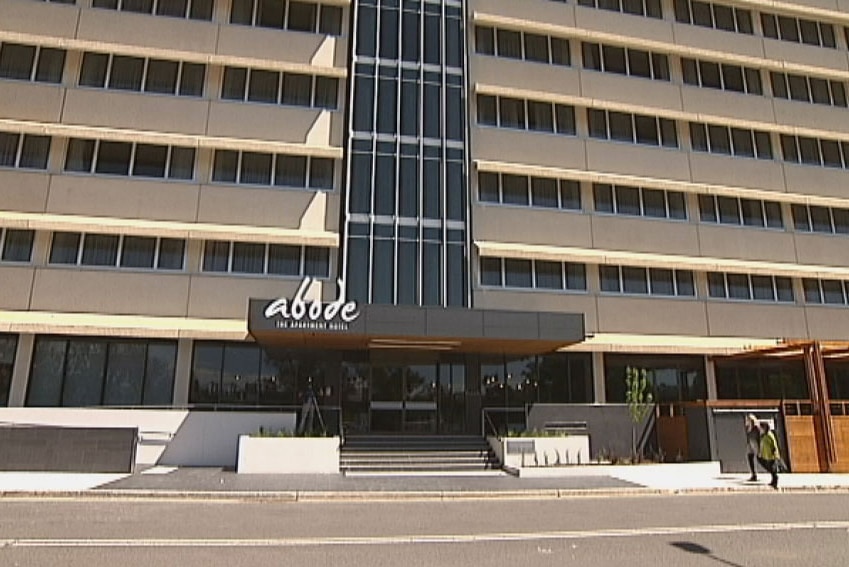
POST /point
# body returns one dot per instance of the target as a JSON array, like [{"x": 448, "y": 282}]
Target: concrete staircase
[{"x": 408, "y": 455}]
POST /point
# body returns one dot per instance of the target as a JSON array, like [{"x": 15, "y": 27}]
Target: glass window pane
[
  {"x": 48, "y": 370},
  {"x": 35, "y": 151},
  {"x": 113, "y": 158},
  {"x": 331, "y": 20},
  {"x": 321, "y": 173},
  {"x": 16, "y": 61},
  {"x": 138, "y": 252},
  {"x": 182, "y": 163},
  {"x": 150, "y": 160},
  {"x": 491, "y": 271},
  {"x": 634, "y": 280},
  {"x": 256, "y": 168},
  {"x": 738, "y": 286},
  {"x": 284, "y": 260},
  {"x": 192, "y": 79},
  {"x": 514, "y": 189},
  {"x": 216, "y": 256},
  {"x": 124, "y": 374},
  {"x": 64, "y": 248},
  {"x": 296, "y": 89},
  {"x": 171, "y": 254},
  {"x": 544, "y": 192},
  {"x": 126, "y": 73},
  {"x": 263, "y": 86},
  {"x": 84, "y": 373},
  {"x": 517, "y": 273},
  {"x": 248, "y": 258},
  {"x": 576, "y": 276},
  {"x": 161, "y": 76},
  {"x": 80, "y": 155},
  {"x": 302, "y": 16},
  {"x": 159, "y": 373},
  {"x": 326, "y": 89},
  {"x": 51, "y": 63},
  {"x": 225, "y": 168},
  {"x": 233, "y": 85},
  {"x": 549, "y": 275},
  {"x": 269, "y": 13},
  {"x": 17, "y": 245},
  {"x": 661, "y": 281},
  {"x": 291, "y": 171},
  {"x": 100, "y": 250}
]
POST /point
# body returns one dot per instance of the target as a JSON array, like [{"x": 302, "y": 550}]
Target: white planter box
[
  {"x": 288, "y": 455},
  {"x": 528, "y": 452}
]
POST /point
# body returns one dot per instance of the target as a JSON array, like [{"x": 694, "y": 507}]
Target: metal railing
[{"x": 502, "y": 422}]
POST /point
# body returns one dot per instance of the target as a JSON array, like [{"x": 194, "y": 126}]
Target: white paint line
[{"x": 428, "y": 539}]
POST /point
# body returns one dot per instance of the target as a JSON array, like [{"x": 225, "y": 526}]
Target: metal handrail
[{"x": 486, "y": 419}]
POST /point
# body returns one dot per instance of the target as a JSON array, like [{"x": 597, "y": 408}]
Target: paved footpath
[{"x": 170, "y": 482}]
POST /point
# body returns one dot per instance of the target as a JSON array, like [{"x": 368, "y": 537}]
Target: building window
[
  {"x": 31, "y": 63},
  {"x": 16, "y": 245},
  {"x": 742, "y": 212},
  {"x": 632, "y": 128},
  {"x": 506, "y": 112},
  {"x": 544, "y": 192},
  {"x": 746, "y": 287},
  {"x": 61, "y": 1},
  {"x": 646, "y": 281},
  {"x": 722, "y": 76},
  {"x": 811, "y": 218},
  {"x": 121, "y": 251},
  {"x": 717, "y": 16},
  {"x": 815, "y": 151},
  {"x": 638, "y": 201},
  {"x": 825, "y": 292},
  {"x": 532, "y": 274},
  {"x": 798, "y": 30},
  {"x": 268, "y": 259},
  {"x": 761, "y": 379},
  {"x": 808, "y": 89},
  {"x": 673, "y": 378},
  {"x": 740, "y": 142},
  {"x": 292, "y": 15},
  {"x": 25, "y": 151},
  {"x": 280, "y": 170},
  {"x": 625, "y": 61},
  {"x": 254, "y": 85},
  {"x": 649, "y": 8},
  {"x": 126, "y": 158},
  {"x": 89, "y": 371},
  {"x": 120, "y": 72},
  {"x": 192, "y": 9},
  {"x": 522, "y": 45},
  {"x": 8, "y": 349}
]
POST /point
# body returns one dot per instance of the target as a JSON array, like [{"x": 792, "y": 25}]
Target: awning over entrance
[{"x": 280, "y": 323}]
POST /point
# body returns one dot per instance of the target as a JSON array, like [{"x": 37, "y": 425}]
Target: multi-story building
[{"x": 499, "y": 203}]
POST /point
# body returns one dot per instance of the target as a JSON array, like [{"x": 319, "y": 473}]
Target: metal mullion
[
  {"x": 230, "y": 250},
  {"x": 265, "y": 252},
  {"x": 131, "y": 167},
  {"x": 107, "y": 78},
  {"x": 179, "y": 80},
  {"x": 281, "y": 81},
  {"x": 120, "y": 252},
  {"x": 33, "y": 69},
  {"x": 19, "y": 150},
  {"x": 95, "y": 157},
  {"x": 157, "y": 252},
  {"x": 80, "y": 247},
  {"x": 239, "y": 167},
  {"x": 443, "y": 137},
  {"x": 420, "y": 158},
  {"x": 168, "y": 155}
]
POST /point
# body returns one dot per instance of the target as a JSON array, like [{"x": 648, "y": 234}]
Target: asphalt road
[{"x": 737, "y": 530}]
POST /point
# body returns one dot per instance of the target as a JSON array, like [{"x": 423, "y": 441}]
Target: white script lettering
[{"x": 298, "y": 308}]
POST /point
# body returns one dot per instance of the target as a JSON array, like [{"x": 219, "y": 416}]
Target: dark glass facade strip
[{"x": 407, "y": 170}]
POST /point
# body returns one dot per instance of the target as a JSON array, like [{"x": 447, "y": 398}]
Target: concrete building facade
[{"x": 671, "y": 172}]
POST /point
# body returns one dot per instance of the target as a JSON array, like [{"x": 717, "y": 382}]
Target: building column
[
  {"x": 710, "y": 379},
  {"x": 183, "y": 372},
  {"x": 599, "y": 394},
  {"x": 20, "y": 373}
]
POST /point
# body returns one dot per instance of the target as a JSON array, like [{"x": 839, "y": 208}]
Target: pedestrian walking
[
  {"x": 769, "y": 455},
  {"x": 753, "y": 444}
]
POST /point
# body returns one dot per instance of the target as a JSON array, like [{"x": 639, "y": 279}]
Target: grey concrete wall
[
  {"x": 68, "y": 449},
  {"x": 729, "y": 439},
  {"x": 609, "y": 426}
]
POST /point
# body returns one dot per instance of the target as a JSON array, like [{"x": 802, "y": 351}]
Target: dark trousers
[
  {"x": 751, "y": 458},
  {"x": 770, "y": 465}
]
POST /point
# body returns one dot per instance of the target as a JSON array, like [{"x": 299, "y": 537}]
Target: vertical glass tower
[{"x": 406, "y": 206}]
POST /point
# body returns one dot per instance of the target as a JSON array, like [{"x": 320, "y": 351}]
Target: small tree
[{"x": 640, "y": 402}]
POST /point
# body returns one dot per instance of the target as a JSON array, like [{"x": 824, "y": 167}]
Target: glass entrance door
[{"x": 403, "y": 399}]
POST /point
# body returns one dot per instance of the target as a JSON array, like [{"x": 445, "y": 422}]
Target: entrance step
[{"x": 420, "y": 454}]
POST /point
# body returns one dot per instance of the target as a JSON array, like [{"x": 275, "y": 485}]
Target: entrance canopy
[{"x": 348, "y": 326}]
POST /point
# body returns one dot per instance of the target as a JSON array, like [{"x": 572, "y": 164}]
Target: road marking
[{"x": 426, "y": 539}]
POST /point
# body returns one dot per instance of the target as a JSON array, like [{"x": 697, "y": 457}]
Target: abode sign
[{"x": 312, "y": 315}]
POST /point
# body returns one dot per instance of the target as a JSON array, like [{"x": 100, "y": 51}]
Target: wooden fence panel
[
  {"x": 802, "y": 444},
  {"x": 841, "y": 440}
]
